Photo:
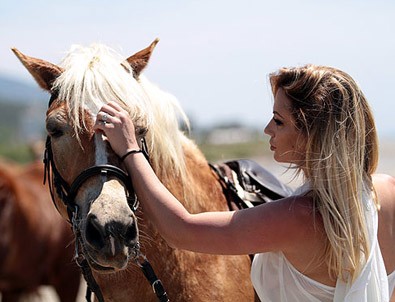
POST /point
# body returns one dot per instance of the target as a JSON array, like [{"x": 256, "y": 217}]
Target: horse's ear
[
  {"x": 42, "y": 71},
  {"x": 139, "y": 60}
]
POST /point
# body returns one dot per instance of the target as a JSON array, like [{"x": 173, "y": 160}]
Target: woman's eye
[{"x": 277, "y": 122}]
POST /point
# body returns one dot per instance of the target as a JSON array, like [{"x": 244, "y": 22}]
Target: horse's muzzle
[{"x": 111, "y": 245}]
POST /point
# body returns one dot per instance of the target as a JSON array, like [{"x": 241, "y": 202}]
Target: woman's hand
[{"x": 118, "y": 127}]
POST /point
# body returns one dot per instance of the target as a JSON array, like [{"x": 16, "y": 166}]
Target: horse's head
[{"x": 98, "y": 201}]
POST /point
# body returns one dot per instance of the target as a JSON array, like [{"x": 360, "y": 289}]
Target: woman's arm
[
  {"x": 273, "y": 226},
  {"x": 264, "y": 228}
]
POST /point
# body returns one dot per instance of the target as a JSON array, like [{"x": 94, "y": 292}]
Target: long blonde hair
[{"x": 341, "y": 154}]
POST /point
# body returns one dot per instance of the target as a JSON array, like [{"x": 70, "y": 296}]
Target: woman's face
[{"x": 286, "y": 141}]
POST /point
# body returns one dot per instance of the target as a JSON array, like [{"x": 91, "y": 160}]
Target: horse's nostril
[
  {"x": 94, "y": 232},
  {"x": 131, "y": 233}
]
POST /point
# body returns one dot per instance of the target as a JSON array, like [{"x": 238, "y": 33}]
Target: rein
[{"x": 66, "y": 193}]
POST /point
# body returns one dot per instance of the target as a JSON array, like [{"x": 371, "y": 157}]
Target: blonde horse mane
[{"x": 97, "y": 74}]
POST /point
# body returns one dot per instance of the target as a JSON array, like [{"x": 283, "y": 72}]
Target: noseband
[{"x": 67, "y": 195}]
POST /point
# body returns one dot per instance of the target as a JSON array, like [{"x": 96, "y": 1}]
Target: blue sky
[{"x": 215, "y": 56}]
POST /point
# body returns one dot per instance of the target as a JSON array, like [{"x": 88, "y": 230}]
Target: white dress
[{"x": 275, "y": 279}]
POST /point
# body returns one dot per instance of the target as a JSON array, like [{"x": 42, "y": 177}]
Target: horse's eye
[
  {"x": 55, "y": 133},
  {"x": 54, "y": 130}
]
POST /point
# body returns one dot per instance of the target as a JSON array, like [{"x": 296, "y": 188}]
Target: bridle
[{"x": 67, "y": 193}]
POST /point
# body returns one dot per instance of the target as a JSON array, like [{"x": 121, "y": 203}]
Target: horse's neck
[{"x": 200, "y": 190}]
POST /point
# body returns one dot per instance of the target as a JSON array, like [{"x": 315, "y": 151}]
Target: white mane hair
[{"x": 96, "y": 75}]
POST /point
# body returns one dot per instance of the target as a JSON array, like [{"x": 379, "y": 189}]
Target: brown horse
[
  {"x": 112, "y": 236},
  {"x": 35, "y": 241}
]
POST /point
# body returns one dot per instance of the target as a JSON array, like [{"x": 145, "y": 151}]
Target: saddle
[{"x": 247, "y": 184}]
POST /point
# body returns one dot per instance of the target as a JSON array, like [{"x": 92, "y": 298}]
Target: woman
[{"x": 327, "y": 250}]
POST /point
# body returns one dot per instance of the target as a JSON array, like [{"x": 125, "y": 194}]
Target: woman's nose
[{"x": 267, "y": 129}]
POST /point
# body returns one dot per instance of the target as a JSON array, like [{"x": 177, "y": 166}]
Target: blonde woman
[{"x": 333, "y": 240}]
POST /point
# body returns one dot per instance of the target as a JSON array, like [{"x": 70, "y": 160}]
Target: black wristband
[{"x": 130, "y": 152}]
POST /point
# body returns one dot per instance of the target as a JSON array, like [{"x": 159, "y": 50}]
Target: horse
[
  {"x": 35, "y": 241},
  {"x": 92, "y": 192}
]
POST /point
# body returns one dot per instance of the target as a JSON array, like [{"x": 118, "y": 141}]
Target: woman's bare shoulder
[
  {"x": 304, "y": 235},
  {"x": 381, "y": 178},
  {"x": 385, "y": 189},
  {"x": 291, "y": 220},
  {"x": 384, "y": 185}
]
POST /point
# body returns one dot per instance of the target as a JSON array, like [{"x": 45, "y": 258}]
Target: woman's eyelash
[{"x": 278, "y": 122}]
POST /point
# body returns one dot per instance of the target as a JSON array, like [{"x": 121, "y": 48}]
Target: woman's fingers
[
  {"x": 107, "y": 109},
  {"x": 114, "y": 121},
  {"x": 109, "y": 114},
  {"x": 104, "y": 118},
  {"x": 114, "y": 106}
]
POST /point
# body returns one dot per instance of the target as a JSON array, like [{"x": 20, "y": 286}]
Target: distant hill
[
  {"x": 22, "y": 111},
  {"x": 16, "y": 91}
]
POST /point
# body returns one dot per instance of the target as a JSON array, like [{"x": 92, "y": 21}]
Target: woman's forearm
[
  {"x": 163, "y": 209},
  {"x": 207, "y": 232}
]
